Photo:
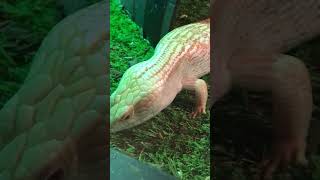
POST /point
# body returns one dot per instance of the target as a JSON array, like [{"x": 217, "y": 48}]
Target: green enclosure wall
[{"x": 154, "y": 16}]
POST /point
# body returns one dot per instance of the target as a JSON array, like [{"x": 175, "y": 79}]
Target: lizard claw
[
  {"x": 199, "y": 110},
  {"x": 284, "y": 153}
]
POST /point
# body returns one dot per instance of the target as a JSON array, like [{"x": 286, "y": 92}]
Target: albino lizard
[
  {"x": 250, "y": 37},
  {"x": 180, "y": 58},
  {"x": 54, "y": 127}
]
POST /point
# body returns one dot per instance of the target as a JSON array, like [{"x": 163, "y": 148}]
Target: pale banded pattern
[{"x": 142, "y": 83}]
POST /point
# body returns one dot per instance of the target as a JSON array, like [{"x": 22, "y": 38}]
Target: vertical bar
[
  {"x": 174, "y": 14},
  {"x": 108, "y": 92},
  {"x": 140, "y": 6},
  {"x": 168, "y": 17},
  {"x": 153, "y": 20},
  {"x": 212, "y": 170},
  {"x": 129, "y": 6}
]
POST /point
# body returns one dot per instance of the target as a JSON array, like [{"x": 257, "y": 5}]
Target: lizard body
[
  {"x": 52, "y": 128},
  {"x": 180, "y": 58},
  {"x": 250, "y": 39}
]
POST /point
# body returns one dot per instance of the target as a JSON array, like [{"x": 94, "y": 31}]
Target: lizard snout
[{"x": 120, "y": 117}]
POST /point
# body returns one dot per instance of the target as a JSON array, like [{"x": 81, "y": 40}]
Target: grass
[{"x": 172, "y": 140}]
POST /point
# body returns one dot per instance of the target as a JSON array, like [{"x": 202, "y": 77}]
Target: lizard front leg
[
  {"x": 201, "y": 91},
  {"x": 287, "y": 79},
  {"x": 292, "y": 109}
]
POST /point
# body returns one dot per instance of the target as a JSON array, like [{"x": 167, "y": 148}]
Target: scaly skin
[
  {"x": 62, "y": 101},
  {"x": 180, "y": 58},
  {"x": 250, "y": 37}
]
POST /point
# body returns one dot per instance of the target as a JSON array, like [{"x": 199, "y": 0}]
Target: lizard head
[{"x": 132, "y": 101}]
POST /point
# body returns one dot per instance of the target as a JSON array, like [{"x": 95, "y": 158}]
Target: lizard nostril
[{"x": 58, "y": 174}]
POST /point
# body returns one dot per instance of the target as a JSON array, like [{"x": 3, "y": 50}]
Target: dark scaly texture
[{"x": 53, "y": 124}]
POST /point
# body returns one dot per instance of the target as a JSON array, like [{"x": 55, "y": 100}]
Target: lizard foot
[
  {"x": 201, "y": 90},
  {"x": 284, "y": 153},
  {"x": 199, "y": 110}
]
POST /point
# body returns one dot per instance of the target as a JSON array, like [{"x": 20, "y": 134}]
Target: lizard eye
[
  {"x": 125, "y": 117},
  {"x": 128, "y": 114}
]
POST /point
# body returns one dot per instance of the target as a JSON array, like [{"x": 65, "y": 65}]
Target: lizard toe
[{"x": 198, "y": 112}]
